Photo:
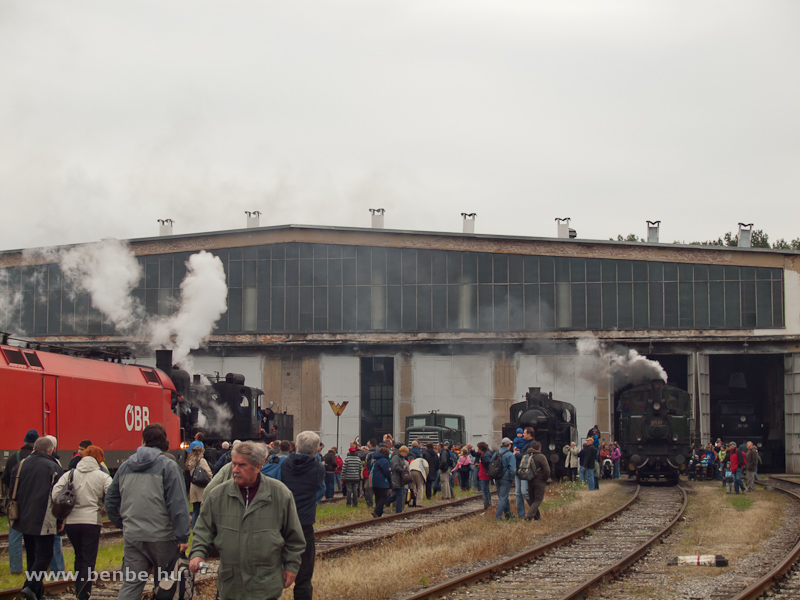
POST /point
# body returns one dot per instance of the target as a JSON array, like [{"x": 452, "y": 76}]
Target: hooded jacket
[
  {"x": 398, "y": 464},
  {"x": 305, "y": 477},
  {"x": 147, "y": 498},
  {"x": 542, "y": 465},
  {"x": 90, "y": 484},
  {"x": 37, "y": 474}
]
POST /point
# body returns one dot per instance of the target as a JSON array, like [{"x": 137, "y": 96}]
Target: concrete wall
[
  {"x": 569, "y": 381},
  {"x": 456, "y": 384},
  {"x": 340, "y": 382}
]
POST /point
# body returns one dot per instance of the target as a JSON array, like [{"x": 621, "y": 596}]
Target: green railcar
[{"x": 654, "y": 432}]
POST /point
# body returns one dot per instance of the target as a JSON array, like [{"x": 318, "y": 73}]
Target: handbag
[
  {"x": 199, "y": 477},
  {"x": 64, "y": 501},
  {"x": 12, "y": 509},
  {"x": 405, "y": 476}
]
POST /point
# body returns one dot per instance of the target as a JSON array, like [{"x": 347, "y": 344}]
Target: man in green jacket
[{"x": 252, "y": 521}]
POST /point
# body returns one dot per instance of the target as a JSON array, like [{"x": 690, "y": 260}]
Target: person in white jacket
[{"x": 84, "y": 522}]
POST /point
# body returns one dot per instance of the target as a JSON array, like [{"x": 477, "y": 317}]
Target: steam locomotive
[
  {"x": 553, "y": 422},
  {"x": 654, "y": 431},
  {"x": 77, "y": 394}
]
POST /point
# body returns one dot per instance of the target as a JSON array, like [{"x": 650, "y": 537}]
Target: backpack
[
  {"x": 179, "y": 582},
  {"x": 272, "y": 468},
  {"x": 64, "y": 501},
  {"x": 339, "y": 463},
  {"x": 527, "y": 468},
  {"x": 495, "y": 468},
  {"x": 199, "y": 477}
]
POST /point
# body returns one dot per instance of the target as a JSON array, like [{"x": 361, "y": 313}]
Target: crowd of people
[
  {"x": 736, "y": 467},
  {"x": 259, "y": 500}
]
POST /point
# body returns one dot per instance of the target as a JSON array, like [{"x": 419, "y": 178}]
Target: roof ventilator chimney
[
  {"x": 652, "y": 231},
  {"x": 564, "y": 230},
  {"x": 469, "y": 222},
  {"x": 745, "y": 234},
  {"x": 166, "y": 226},
  {"x": 377, "y": 217},
  {"x": 252, "y": 218}
]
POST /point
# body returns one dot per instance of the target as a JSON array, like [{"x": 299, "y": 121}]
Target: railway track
[
  {"x": 570, "y": 565},
  {"x": 329, "y": 541}
]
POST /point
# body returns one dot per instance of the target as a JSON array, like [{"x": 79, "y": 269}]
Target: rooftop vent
[
  {"x": 652, "y": 231},
  {"x": 469, "y": 222},
  {"x": 252, "y": 218},
  {"x": 564, "y": 230},
  {"x": 745, "y": 234},
  {"x": 165, "y": 227},
  {"x": 377, "y": 217}
]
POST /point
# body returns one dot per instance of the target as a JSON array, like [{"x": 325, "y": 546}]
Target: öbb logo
[{"x": 136, "y": 417}]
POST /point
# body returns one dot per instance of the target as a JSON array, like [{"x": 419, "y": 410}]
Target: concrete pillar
[
  {"x": 404, "y": 391},
  {"x": 504, "y": 375}
]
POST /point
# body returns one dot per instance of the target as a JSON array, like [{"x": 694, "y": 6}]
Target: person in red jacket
[{"x": 738, "y": 463}]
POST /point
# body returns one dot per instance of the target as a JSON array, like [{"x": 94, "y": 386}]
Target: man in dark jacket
[
  {"x": 15, "y": 537},
  {"x": 432, "y": 457},
  {"x": 537, "y": 485},
  {"x": 147, "y": 499},
  {"x": 588, "y": 456},
  {"x": 446, "y": 463},
  {"x": 36, "y": 522},
  {"x": 303, "y": 474}
]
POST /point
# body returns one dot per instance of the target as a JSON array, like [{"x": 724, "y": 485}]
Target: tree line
[{"x": 758, "y": 239}]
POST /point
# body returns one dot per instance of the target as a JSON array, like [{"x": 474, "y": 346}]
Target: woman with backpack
[
  {"x": 200, "y": 475},
  {"x": 82, "y": 525},
  {"x": 484, "y": 458}
]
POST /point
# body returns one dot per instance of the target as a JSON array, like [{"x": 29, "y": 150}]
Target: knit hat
[
  {"x": 31, "y": 436},
  {"x": 505, "y": 442},
  {"x": 519, "y": 430}
]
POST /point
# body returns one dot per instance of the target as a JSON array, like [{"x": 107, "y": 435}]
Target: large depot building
[{"x": 403, "y": 322}]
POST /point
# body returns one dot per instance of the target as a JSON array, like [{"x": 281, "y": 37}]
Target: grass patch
[
  {"x": 714, "y": 523},
  {"x": 109, "y": 557},
  {"x": 429, "y": 554},
  {"x": 740, "y": 502},
  {"x": 3, "y": 524}
]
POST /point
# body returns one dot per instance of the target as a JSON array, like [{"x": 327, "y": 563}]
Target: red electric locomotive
[{"x": 76, "y": 398}]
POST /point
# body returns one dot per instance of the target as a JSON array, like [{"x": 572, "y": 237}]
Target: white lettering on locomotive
[{"x": 136, "y": 417}]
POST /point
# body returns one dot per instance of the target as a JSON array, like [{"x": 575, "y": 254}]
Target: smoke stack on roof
[
  {"x": 166, "y": 226},
  {"x": 469, "y": 222},
  {"x": 252, "y": 218},
  {"x": 377, "y": 217},
  {"x": 652, "y": 231},
  {"x": 563, "y": 228},
  {"x": 745, "y": 235}
]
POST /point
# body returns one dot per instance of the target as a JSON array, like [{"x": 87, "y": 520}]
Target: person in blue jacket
[
  {"x": 381, "y": 479},
  {"x": 505, "y": 480}
]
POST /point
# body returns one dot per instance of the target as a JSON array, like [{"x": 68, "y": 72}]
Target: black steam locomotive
[
  {"x": 553, "y": 423},
  {"x": 223, "y": 409},
  {"x": 654, "y": 431}
]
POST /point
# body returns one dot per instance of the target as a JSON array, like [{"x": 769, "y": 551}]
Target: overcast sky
[{"x": 115, "y": 114}]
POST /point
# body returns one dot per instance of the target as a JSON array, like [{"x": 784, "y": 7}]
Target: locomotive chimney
[
  {"x": 164, "y": 361},
  {"x": 534, "y": 396}
]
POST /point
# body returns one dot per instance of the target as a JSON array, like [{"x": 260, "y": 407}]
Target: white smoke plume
[
  {"x": 204, "y": 295},
  {"x": 625, "y": 365},
  {"x": 109, "y": 272}
]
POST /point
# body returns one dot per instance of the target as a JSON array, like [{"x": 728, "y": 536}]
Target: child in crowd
[{"x": 728, "y": 477}]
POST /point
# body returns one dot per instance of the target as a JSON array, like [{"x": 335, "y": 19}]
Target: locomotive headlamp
[
  {"x": 675, "y": 438},
  {"x": 184, "y": 445},
  {"x": 656, "y": 406},
  {"x": 552, "y": 446},
  {"x": 638, "y": 438},
  {"x": 743, "y": 418}
]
